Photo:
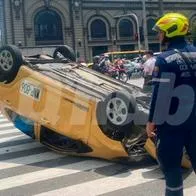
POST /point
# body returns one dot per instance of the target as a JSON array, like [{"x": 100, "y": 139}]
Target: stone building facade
[
  {"x": 89, "y": 26},
  {"x": 1, "y": 23}
]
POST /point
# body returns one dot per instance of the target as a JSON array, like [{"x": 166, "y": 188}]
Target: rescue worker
[{"x": 172, "y": 117}]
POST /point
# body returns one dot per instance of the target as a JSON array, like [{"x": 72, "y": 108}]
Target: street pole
[
  {"x": 138, "y": 32},
  {"x": 160, "y": 7},
  {"x": 161, "y": 10},
  {"x": 0, "y": 37},
  {"x": 145, "y": 25},
  {"x": 137, "y": 24}
]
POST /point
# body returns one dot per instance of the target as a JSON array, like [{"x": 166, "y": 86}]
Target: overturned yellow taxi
[{"x": 73, "y": 109}]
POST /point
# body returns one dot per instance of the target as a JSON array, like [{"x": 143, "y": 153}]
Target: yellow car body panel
[
  {"x": 89, "y": 65},
  {"x": 61, "y": 110}
]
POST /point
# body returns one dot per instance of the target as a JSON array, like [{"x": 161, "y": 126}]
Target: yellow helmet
[{"x": 173, "y": 24}]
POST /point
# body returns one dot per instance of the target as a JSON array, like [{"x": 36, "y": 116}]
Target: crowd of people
[{"x": 142, "y": 64}]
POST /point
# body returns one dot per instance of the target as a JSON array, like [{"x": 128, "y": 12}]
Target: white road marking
[
  {"x": 104, "y": 185},
  {"x": 13, "y": 138},
  {"x": 190, "y": 191},
  {"x": 11, "y": 163},
  {"x": 18, "y": 148},
  {"x": 2, "y": 120},
  {"x": 47, "y": 174},
  {"x": 6, "y": 125},
  {"x": 12, "y": 130}
]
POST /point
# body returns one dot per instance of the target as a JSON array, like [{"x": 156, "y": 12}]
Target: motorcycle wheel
[{"x": 123, "y": 77}]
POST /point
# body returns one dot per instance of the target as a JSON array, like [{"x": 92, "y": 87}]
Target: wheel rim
[
  {"x": 123, "y": 77},
  {"x": 117, "y": 111},
  {"x": 6, "y": 60}
]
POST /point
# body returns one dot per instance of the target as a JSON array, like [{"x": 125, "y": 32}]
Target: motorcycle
[
  {"x": 133, "y": 69},
  {"x": 118, "y": 72}
]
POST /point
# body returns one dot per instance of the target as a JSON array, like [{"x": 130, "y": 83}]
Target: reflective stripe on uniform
[
  {"x": 174, "y": 189},
  {"x": 160, "y": 80},
  {"x": 176, "y": 56}
]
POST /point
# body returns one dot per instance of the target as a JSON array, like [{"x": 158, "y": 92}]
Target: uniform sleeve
[{"x": 160, "y": 67}]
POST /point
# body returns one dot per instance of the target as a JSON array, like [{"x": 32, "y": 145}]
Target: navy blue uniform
[{"x": 173, "y": 110}]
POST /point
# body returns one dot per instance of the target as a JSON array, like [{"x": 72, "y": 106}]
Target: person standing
[
  {"x": 148, "y": 68},
  {"x": 104, "y": 64},
  {"x": 95, "y": 65},
  {"x": 172, "y": 117}
]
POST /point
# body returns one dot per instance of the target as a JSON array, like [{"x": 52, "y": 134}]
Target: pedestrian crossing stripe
[
  {"x": 104, "y": 185},
  {"x": 9, "y": 130},
  {"x": 39, "y": 174},
  {"x": 55, "y": 172},
  {"x": 28, "y": 160},
  {"x": 2, "y": 120},
  {"x": 5, "y": 125},
  {"x": 13, "y": 138},
  {"x": 18, "y": 148}
]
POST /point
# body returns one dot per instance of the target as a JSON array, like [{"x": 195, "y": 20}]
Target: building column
[
  {"x": 17, "y": 22},
  {"x": 79, "y": 44}
]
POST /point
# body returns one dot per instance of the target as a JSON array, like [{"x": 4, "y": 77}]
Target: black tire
[
  {"x": 10, "y": 62},
  {"x": 66, "y": 51},
  {"x": 123, "y": 76},
  {"x": 107, "y": 117}
]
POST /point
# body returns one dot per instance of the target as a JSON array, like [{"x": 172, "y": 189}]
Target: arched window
[
  {"x": 193, "y": 23},
  {"x": 193, "y": 30},
  {"x": 125, "y": 28},
  {"x": 98, "y": 29},
  {"x": 48, "y": 28},
  {"x": 150, "y": 24}
]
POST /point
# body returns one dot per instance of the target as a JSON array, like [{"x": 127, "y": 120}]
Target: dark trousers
[
  {"x": 170, "y": 145},
  {"x": 147, "y": 86}
]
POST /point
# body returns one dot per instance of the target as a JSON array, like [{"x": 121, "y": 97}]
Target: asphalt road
[
  {"x": 29, "y": 168},
  {"x": 137, "y": 81}
]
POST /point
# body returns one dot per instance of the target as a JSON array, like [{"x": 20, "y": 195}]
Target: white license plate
[{"x": 30, "y": 90}]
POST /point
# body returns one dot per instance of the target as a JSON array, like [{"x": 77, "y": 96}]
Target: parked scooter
[{"x": 118, "y": 72}]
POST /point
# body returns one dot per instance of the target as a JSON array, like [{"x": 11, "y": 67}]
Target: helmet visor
[{"x": 156, "y": 28}]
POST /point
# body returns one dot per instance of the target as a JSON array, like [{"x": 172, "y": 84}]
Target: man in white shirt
[{"x": 148, "y": 69}]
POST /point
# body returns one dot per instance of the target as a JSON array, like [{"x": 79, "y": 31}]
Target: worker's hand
[{"x": 150, "y": 129}]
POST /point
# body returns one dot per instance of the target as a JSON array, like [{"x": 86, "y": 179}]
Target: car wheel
[
  {"x": 123, "y": 77},
  {"x": 10, "y": 62},
  {"x": 115, "y": 113},
  {"x": 151, "y": 149},
  {"x": 64, "y": 51}
]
